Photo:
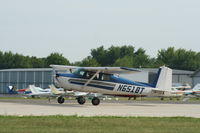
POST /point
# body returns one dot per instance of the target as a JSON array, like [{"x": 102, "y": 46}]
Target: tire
[
  {"x": 61, "y": 100},
  {"x": 81, "y": 100},
  {"x": 95, "y": 101}
]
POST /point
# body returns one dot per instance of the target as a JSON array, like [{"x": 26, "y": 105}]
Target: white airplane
[
  {"x": 182, "y": 93},
  {"x": 182, "y": 87},
  {"x": 104, "y": 81},
  {"x": 193, "y": 92},
  {"x": 37, "y": 91}
]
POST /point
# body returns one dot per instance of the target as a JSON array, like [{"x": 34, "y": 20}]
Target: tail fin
[
  {"x": 9, "y": 89},
  {"x": 54, "y": 90},
  {"x": 164, "y": 79},
  {"x": 33, "y": 90},
  {"x": 196, "y": 87}
]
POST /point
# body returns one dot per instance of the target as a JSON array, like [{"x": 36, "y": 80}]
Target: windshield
[{"x": 78, "y": 72}]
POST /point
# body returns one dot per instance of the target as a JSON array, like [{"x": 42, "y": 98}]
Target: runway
[{"x": 26, "y": 107}]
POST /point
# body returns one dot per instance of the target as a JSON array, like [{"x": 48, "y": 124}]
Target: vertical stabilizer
[
  {"x": 53, "y": 89},
  {"x": 196, "y": 87},
  {"x": 164, "y": 79},
  {"x": 33, "y": 89}
]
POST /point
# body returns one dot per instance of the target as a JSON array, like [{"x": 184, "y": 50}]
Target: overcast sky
[{"x": 74, "y": 27}]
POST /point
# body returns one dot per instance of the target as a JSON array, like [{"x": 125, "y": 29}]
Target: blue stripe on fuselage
[
  {"x": 113, "y": 79},
  {"x": 92, "y": 85},
  {"x": 126, "y": 81}
]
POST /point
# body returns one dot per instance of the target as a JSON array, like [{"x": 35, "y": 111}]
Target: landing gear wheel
[
  {"x": 61, "y": 100},
  {"x": 95, "y": 101},
  {"x": 81, "y": 100}
]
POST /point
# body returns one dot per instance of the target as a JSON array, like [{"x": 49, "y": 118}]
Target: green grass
[{"x": 74, "y": 124}]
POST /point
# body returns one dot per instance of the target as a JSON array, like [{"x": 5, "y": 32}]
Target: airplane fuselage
[{"x": 114, "y": 86}]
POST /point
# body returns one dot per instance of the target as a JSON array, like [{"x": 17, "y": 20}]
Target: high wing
[{"x": 109, "y": 70}]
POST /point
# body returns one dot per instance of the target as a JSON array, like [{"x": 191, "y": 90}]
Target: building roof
[{"x": 196, "y": 72}]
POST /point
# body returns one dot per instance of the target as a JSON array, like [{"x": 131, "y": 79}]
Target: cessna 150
[{"x": 104, "y": 80}]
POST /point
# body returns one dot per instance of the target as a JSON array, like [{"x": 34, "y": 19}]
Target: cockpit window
[
  {"x": 88, "y": 74},
  {"x": 79, "y": 72}
]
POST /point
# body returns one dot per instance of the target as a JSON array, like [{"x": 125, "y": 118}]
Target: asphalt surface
[{"x": 38, "y": 107}]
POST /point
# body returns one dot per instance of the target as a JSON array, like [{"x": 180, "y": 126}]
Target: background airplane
[{"x": 194, "y": 92}]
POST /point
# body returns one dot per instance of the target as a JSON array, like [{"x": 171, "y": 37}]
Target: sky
[{"x": 74, "y": 27}]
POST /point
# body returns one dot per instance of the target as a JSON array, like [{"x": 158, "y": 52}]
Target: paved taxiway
[{"x": 106, "y": 108}]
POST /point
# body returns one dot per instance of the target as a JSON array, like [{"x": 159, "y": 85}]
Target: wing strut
[{"x": 92, "y": 78}]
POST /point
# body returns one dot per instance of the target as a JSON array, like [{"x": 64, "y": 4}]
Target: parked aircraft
[
  {"x": 37, "y": 91},
  {"x": 182, "y": 87},
  {"x": 105, "y": 81},
  {"x": 194, "y": 92},
  {"x": 13, "y": 90},
  {"x": 183, "y": 93}
]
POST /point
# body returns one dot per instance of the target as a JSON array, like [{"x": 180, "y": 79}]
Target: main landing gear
[
  {"x": 81, "y": 100},
  {"x": 60, "y": 99},
  {"x": 95, "y": 101}
]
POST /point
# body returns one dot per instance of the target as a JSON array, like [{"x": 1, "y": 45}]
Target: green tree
[
  {"x": 1, "y": 60},
  {"x": 20, "y": 61},
  {"x": 141, "y": 59},
  {"x": 99, "y": 55},
  {"x": 8, "y": 60},
  {"x": 166, "y": 57},
  {"x": 126, "y": 61},
  {"x": 89, "y": 62},
  {"x": 179, "y": 59},
  {"x": 37, "y": 62},
  {"x": 126, "y": 51},
  {"x": 56, "y": 58}
]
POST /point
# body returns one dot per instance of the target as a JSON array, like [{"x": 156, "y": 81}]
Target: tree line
[{"x": 125, "y": 56}]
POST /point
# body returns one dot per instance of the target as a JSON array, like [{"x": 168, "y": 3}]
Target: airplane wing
[{"x": 109, "y": 70}]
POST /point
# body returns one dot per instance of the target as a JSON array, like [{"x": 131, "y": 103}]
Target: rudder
[{"x": 164, "y": 79}]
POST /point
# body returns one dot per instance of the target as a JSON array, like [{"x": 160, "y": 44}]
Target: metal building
[
  {"x": 22, "y": 78},
  {"x": 148, "y": 75},
  {"x": 196, "y": 77},
  {"x": 178, "y": 76}
]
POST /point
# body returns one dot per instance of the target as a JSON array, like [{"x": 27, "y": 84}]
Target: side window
[
  {"x": 103, "y": 76},
  {"x": 106, "y": 77},
  {"x": 82, "y": 73}
]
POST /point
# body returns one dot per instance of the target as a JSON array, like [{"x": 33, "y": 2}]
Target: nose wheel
[{"x": 95, "y": 101}]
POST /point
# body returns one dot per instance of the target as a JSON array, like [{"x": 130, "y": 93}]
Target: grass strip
[{"x": 75, "y": 124}]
